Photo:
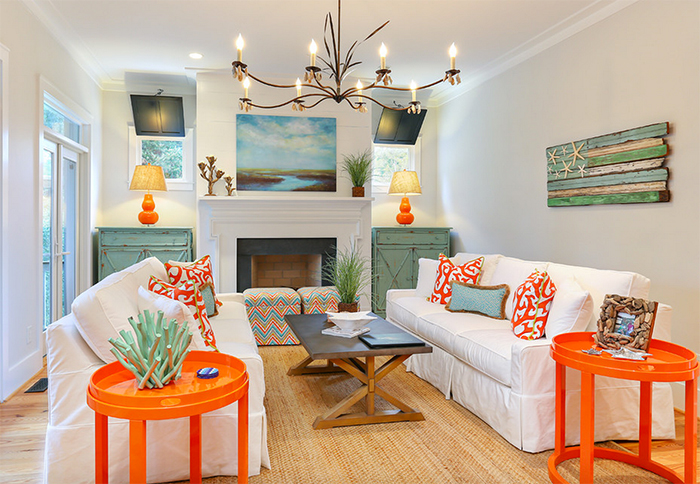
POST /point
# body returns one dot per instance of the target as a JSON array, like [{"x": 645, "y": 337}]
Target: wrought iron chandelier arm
[
  {"x": 319, "y": 101},
  {"x": 384, "y": 105},
  {"x": 261, "y": 81},
  {"x": 327, "y": 90},
  {"x": 392, "y": 88},
  {"x": 323, "y": 97}
]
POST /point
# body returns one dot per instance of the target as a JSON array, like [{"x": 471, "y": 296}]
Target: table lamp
[
  {"x": 404, "y": 183},
  {"x": 148, "y": 177}
]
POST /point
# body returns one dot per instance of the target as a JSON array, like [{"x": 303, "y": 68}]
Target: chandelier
[{"x": 336, "y": 67}]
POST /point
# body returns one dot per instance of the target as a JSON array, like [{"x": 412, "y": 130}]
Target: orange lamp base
[
  {"x": 148, "y": 216},
  {"x": 405, "y": 217}
]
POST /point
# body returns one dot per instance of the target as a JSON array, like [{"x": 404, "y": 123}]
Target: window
[
  {"x": 60, "y": 123},
  {"x": 390, "y": 158},
  {"x": 63, "y": 164},
  {"x": 173, "y": 154}
]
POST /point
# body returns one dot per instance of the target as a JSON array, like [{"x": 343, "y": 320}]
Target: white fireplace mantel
[{"x": 223, "y": 220}]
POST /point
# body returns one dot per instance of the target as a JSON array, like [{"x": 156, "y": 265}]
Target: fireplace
[
  {"x": 223, "y": 222},
  {"x": 287, "y": 262}
]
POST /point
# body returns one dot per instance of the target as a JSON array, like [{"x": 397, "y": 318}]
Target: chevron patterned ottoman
[
  {"x": 266, "y": 309},
  {"x": 316, "y": 300}
]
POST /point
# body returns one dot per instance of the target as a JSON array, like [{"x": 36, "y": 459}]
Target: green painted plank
[
  {"x": 642, "y": 197},
  {"x": 643, "y": 154},
  {"x": 650, "y": 131},
  {"x": 660, "y": 174}
]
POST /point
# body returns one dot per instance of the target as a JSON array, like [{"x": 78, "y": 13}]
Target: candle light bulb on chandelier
[
  {"x": 239, "y": 46},
  {"x": 246, "y": 85},
  {"x": 413, "y": 90},
  {"x": 298, "y": 84},
  {"x": 359, "y": 87},
  {"x": 453, "y": 54},
  {"x": 382, "y": 55},
  {"x": 312, "y": 50}
]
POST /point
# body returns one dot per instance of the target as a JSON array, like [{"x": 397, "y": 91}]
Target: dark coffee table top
[{"x": 307, "y": 327}]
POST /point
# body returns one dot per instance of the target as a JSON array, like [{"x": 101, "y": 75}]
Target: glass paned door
[{"x": 60, "y": 229}]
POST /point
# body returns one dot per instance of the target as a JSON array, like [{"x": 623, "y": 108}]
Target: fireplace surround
[{"x": 224, "y": 221}]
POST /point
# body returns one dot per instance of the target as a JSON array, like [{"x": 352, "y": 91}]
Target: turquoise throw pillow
[
  {"x": 209, "y": 299},
  {"x": 486, "y": 300}
]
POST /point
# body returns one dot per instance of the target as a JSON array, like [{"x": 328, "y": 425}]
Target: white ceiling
[{"x": 123, "y": 41}]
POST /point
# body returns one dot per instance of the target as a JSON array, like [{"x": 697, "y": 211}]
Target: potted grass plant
[
  {"x": 348, "y": 272},
  {"x": 359, "y": 170}
]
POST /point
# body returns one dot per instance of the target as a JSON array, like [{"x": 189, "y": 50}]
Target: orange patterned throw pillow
[
  {"x": 188, "y": 294},
  {"x": 448, "y": 272},
  {"x": 200, "y": 272},
  {"x": 531, "y": 303}
]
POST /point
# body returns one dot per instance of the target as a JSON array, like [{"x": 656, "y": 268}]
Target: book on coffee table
[
  {"x": 390, "y": 340},
  {"x": 336, "y": 331}
]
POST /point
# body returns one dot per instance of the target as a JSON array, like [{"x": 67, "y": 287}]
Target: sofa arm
[
  {"x": 532, "y": 368},
  {"x": 69, "y": 364},
  {"x": 234, "y": 297},
  {"x": 394, "y": 294}
]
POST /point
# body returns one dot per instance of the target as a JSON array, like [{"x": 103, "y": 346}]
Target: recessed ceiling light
[{"x": 195, "y": 55}]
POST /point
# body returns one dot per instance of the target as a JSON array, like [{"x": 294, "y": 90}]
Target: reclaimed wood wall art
[{"x": 624, "y": 167}]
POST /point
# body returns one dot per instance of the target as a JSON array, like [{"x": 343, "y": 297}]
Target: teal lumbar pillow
[{"x": 486, "y": 300}]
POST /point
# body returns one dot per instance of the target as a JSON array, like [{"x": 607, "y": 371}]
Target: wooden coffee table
[{"x": 343, "y": 354}]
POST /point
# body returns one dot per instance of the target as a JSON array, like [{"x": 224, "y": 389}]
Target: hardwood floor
[{"x": 23, "y": 419}]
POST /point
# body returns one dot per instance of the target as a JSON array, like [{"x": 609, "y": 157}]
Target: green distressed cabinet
[
  {"x": 395, "y": 254},
  {"x": 120, "y": 247}
]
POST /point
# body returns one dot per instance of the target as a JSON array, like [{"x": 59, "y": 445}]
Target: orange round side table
[
  {"x": 113, "y": 392},
  {"x": 669, "y": 362}
]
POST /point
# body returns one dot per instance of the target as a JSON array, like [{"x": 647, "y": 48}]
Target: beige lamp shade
[
  {"x": 404, "y": 183},
  {"x": 148, "y": 177}
]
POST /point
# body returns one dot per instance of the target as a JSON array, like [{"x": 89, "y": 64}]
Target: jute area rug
[{"x": 450, "y": 446}]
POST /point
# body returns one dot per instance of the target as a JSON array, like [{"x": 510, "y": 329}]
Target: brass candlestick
[
  {"x": 229, "y": 185},
  {"x": 210, "y": 174}
]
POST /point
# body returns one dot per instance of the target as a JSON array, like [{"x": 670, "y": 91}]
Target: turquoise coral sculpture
[{"x": 156, "y": 354}]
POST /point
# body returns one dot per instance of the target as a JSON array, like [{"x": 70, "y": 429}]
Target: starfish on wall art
[
  {"x": 576, "y": 153},
  {"x": 567, "y": 168}
]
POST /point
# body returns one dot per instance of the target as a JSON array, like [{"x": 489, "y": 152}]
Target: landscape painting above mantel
[{"x": 285, "y": 153}]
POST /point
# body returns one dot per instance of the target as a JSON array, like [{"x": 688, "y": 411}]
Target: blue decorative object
[
  {"x": 207, "y": 373},
  {"x": 486, "y": 300}
]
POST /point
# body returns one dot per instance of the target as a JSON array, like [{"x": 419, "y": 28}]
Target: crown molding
[
  {"x": 65, "y": 35},
  {"x": 581, "y": 20}
]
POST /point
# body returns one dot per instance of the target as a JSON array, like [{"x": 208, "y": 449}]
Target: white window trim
[
  {"x": 414, "y": 162},
  {"x": 182, "y": 184},
  {"x": 55, "y": 97},
  {"x": 4, "y": 226}
]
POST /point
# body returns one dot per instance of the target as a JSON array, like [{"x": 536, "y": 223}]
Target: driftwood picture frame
[{"x": 626, "y": 321}]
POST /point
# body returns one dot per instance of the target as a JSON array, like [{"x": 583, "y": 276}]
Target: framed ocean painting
[{"x": 285, "y": 153}]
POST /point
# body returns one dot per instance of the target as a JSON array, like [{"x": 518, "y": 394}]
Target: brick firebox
[{"x": 293, "y": 271}]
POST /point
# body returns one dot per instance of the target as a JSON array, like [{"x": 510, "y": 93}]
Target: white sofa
[
  {"x": 509, "y": 382},
  {"x": 72, "y": 357}
]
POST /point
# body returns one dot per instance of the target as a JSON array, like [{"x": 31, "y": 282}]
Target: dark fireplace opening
[{"x": 291, "y": 262}]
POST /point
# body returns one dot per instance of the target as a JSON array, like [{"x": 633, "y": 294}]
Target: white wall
[
  {"x": 120, "y": 207},
  {"x": 33, "y": 53},
  {"x": 637, "y": 67}
]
